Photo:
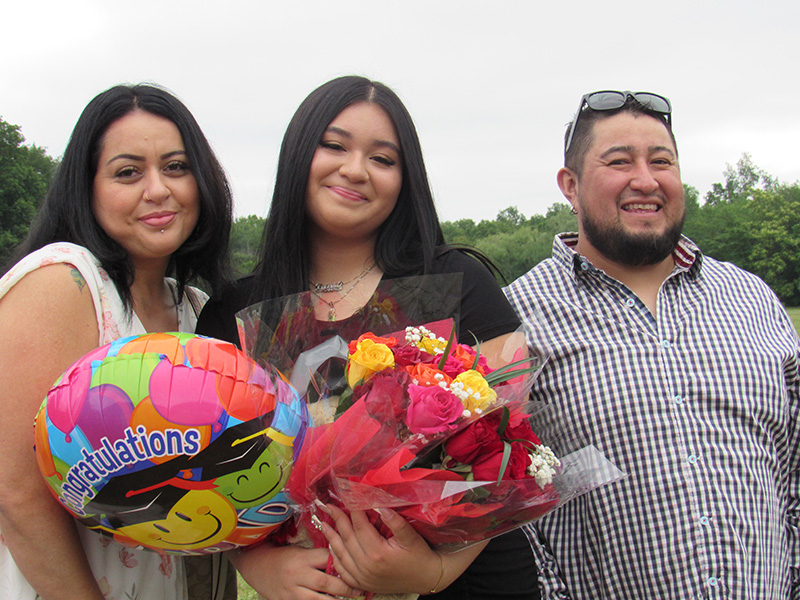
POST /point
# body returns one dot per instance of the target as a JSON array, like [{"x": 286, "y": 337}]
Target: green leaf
[
  {"x": 508, "y": 372},
  {"x": 345, "y": 402},
  {"x": 447, "y": 348},
  {"x": 504, "y": 419},
  {"x": 504, "y": 463}
]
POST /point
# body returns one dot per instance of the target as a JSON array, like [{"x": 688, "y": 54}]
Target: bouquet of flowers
[
  {"x": 428, "y": 429},
  {"x": 410, "y": 419}
]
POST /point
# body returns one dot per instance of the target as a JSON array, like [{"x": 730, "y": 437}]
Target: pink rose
[
  {"x": 432, "y": 410},
  {"x": 453, "y": 367}
]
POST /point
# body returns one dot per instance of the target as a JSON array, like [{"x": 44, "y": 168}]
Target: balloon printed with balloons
[{"x": 171, "y": 441}]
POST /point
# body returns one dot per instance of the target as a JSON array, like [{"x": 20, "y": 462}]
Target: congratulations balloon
[{"x": 171, "y": 441}]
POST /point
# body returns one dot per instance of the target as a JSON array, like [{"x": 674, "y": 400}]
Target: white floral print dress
[{"x": 123, "y": 573}]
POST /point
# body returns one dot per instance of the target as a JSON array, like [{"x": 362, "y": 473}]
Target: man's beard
[{"x": 633, "y": 250}]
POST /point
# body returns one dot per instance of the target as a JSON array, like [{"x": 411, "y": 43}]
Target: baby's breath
[
  {"x": 421, "y": 337},
  {"x": 543, "y": 464}
]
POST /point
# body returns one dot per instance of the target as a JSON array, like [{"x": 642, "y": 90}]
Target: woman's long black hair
[
  {"x": 66, "y": 213},
  {"x": 407, "y": 241}
]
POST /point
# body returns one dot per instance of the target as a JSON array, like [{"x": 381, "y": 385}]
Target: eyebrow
[
  {"x": 379, "y": 143},
  {"x": 631, "y": 149},
  {"x": 142, "y": 158}
]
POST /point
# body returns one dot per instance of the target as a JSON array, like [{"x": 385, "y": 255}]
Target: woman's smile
[
  {"x": 158, "y": 220},
  {"x": 356, "y": 174},
  {"x": 347, "y": 193}
]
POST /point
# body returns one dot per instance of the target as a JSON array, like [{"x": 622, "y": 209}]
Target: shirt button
[
  {"x": 665, "y": 344},
  {"x": 630, "y": 302},
  {"x": 712, "y": 581},
  {"x": 678, "y": 399},
  {"x": 704, "y": 520},
  {"x": 584, "y": 266},
  {"x": 692, "y": 459}
]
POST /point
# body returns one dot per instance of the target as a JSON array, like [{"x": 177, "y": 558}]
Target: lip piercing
[{"x": 162, "y": 231}]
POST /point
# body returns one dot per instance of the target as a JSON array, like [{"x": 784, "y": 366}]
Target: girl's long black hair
[{"x": 407, "y": 241}]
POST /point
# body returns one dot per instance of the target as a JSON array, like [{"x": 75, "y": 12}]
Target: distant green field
[
  {"x": 245, "y": 591},
  {"x": 794, "y": 313}
]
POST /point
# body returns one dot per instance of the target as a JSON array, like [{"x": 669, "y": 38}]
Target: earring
[{"x": 573, "y": 210}]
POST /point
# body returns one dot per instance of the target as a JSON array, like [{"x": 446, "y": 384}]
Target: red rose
[
  {"x": 384, "y": 395},
  {"x": 407, "y": 355},
  {"x": 432, "y": 410},
  {"x": 519, "y": 428},
  {"x": 477, "y": 439},
  {"x": 487, "y": 467}
]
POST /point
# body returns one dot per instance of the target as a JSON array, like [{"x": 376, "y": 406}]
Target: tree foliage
[
  {"x": 740, "y": 183},
  {"x": 25, "y": 172},
  {"x": 512, "y": 241},
  {"x": 245, "y": 242},
  {"x": 775, "y": 234},
  {"x": 750, "y": 219},
  {"x": 753, "y": 220}
]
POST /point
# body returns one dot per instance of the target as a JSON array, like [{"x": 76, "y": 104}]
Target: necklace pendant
[
  {"x": 324, "y": 288},
  {"x": 332, "y": 314}
]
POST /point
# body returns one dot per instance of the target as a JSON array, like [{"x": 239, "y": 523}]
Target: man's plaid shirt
[{"x": 698, "y": 404}]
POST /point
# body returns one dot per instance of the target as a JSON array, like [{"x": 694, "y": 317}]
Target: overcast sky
[{"x": 490, "y": 85}]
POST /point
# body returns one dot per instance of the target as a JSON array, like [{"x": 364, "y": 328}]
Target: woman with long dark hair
[
  {"x": 139, "y": 207},
  {"x": 352, "y": 207}
]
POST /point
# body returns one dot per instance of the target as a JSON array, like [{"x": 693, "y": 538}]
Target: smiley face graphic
[
  {"x": 262, "y": 481},
  {"x": 200, "y": 519}
]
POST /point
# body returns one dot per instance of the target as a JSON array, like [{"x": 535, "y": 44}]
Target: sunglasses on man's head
[{"x": 611, "y": 100}]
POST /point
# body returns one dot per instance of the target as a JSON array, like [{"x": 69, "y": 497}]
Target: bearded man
[{"x": 681, "y": 369}]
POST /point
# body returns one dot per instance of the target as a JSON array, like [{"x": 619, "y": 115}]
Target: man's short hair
[{"x": 582, "y": 137}]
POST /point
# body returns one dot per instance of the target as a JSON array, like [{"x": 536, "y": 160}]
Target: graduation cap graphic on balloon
[{"x": 235, "y": 456}]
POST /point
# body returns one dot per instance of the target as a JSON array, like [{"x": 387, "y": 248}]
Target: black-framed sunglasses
[{"x": 611, "y": 100}]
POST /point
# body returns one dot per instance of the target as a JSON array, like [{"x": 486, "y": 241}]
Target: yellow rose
[
  {"x": 477, "y": 393},
  {"x": 431, "y": 345},
  {"x": 369, "y": 357}
]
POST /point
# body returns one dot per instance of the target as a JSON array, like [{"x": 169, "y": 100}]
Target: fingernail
[
  {"x": 316, "y": 522},
  {"x": 381, "y": 512},
  {"x": 322, "y": 506}
]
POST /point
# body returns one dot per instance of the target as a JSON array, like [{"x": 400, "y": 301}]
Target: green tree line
[
  {"x": 25, "y": 172},
  {"x": 750, "y": 219}
]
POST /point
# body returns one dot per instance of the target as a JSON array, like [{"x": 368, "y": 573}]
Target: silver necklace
[
  {"x": 336, "y": 286},
  {"x": 318, "y": 289}
]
